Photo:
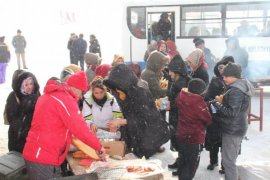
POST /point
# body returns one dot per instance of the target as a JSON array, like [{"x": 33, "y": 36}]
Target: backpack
[
  {"x": 4, "y": 53},
  {"x": 6, "y": 121}
]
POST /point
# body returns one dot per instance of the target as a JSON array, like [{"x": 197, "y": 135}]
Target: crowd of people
[{"x": 122, "y": 99}]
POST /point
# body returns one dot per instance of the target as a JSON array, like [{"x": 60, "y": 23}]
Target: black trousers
[
  {"x": 213, "y": 153},
  {"x": 38, "y": 171},
  {"x": 189, "y": 160},
  {"x": 79, "y": 58}
]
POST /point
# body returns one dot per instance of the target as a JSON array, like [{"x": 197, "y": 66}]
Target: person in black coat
[
  {"x": 213, "y": 132},
  {"x": 180, "y": 78},
  {"x": 71, "y": 49},
  {"x": 145, "y": 130},
  {"x": 20, "y": 107},
  {"x": 79, "y": 47},
  {"x": 94, "y": 45}
]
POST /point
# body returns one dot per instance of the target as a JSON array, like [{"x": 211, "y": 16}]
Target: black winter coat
[
  {"x": 20, "y": 108},
  {"x": 95, "y": 47},
  {"x": 146, "y": 130},
  {"x": 234, "y": 108},
  {"x": 173, "y": 92},
  {"x": 215, "y": 88},
  {"x": 201, "y": 73}
]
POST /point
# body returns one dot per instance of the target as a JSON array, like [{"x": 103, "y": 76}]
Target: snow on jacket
[
  {"x": 100, "y": 116},
  {"x": 56, "y": 118},
  {"x": 193, "y": 118},
  {"x": 146, "y": 130}
]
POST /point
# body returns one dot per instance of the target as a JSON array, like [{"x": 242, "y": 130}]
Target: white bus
[{"x": 212, "y": 20}]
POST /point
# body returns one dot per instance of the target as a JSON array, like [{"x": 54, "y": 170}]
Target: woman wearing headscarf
[
  {"x": 196, "y": 61},
  {"x": 19, "y": 108}
]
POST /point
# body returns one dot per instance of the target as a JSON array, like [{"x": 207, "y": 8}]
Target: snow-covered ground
[{"x": 254, "y": 162}]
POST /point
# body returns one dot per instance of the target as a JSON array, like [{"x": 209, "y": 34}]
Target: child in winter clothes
[
  {"x": 193, "y": 119},
  {"x": 233, "y": 111}
]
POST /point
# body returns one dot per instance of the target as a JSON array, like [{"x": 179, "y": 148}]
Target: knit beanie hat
[
  {"x": 233, "y": 70},
  {"x": 103, "y": 70},
  {"x": 75, "y": 68},
  {"x": 92, "y": 59},
  {"x": 196, "y": 58},
  {"x": 78, "y": 80},
  {"x": 225, "y": 60},
  {"x": 196, "y": 86}
]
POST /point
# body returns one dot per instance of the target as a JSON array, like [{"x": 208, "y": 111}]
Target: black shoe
[
  {"x": 174, "y": 165},
  {"x": 222, "y": 170},
  {"x": 175, "y": 173},
  {"x": 211, "y": 166}
]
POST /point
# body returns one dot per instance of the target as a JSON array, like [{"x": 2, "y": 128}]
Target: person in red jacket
[
  {"x": 56, "y": 119},
  {"x": 193, "y": 118}
]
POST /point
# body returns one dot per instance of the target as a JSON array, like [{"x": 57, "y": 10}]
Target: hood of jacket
[
  {"x": 54, "y": 86},
  {"x": 18, "y": 82},
  {"x": 190, "y": 98},
  {"x": 156, "y": 61},
  {"x": 177, "y": 65},
  {"x": 121, "y": 77},
  {"x": 245, "y": 86}
]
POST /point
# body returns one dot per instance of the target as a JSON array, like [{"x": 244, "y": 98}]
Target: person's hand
[
  {"x": 94, "y": 128},
  {"x": 113, "y": 125},
  {"x": 219, "y": 98},
  {"x": 102, "y": 154}
]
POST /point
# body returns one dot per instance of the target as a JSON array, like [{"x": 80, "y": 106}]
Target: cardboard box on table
[{"x": 114, "y": 148}]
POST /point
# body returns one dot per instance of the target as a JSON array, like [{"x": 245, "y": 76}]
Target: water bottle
[{"x": 213, "y": 109}]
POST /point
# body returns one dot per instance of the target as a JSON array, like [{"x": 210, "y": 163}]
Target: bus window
[
  {"x": 136, "y": 21},
  {"x": 201, "y": 21},
  {"x": 160, "y": 29},
  {"x": 245, "y": 20}
]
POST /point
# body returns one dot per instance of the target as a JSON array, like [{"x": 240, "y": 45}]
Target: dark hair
[
  {"x": 135, "y": 67},
  {"x": 93, "y": 36},
  {"x": 19, "y": 31},
  {"x": 98, "y": 84},
  {"x": 198, "y": 41},
  {"x": 196, "y": 86}
]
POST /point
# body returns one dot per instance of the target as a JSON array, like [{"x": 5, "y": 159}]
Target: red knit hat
[
  {"x": 103, "y": 70},
  {"x": 78, "y": 80}
]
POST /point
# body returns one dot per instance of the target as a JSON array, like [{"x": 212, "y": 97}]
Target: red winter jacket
[
  {"x": 56, "y": 118},
  {"x": 193, "y": 117}
]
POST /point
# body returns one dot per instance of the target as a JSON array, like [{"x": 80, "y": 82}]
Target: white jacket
[{"x": 100, "y": 116}]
